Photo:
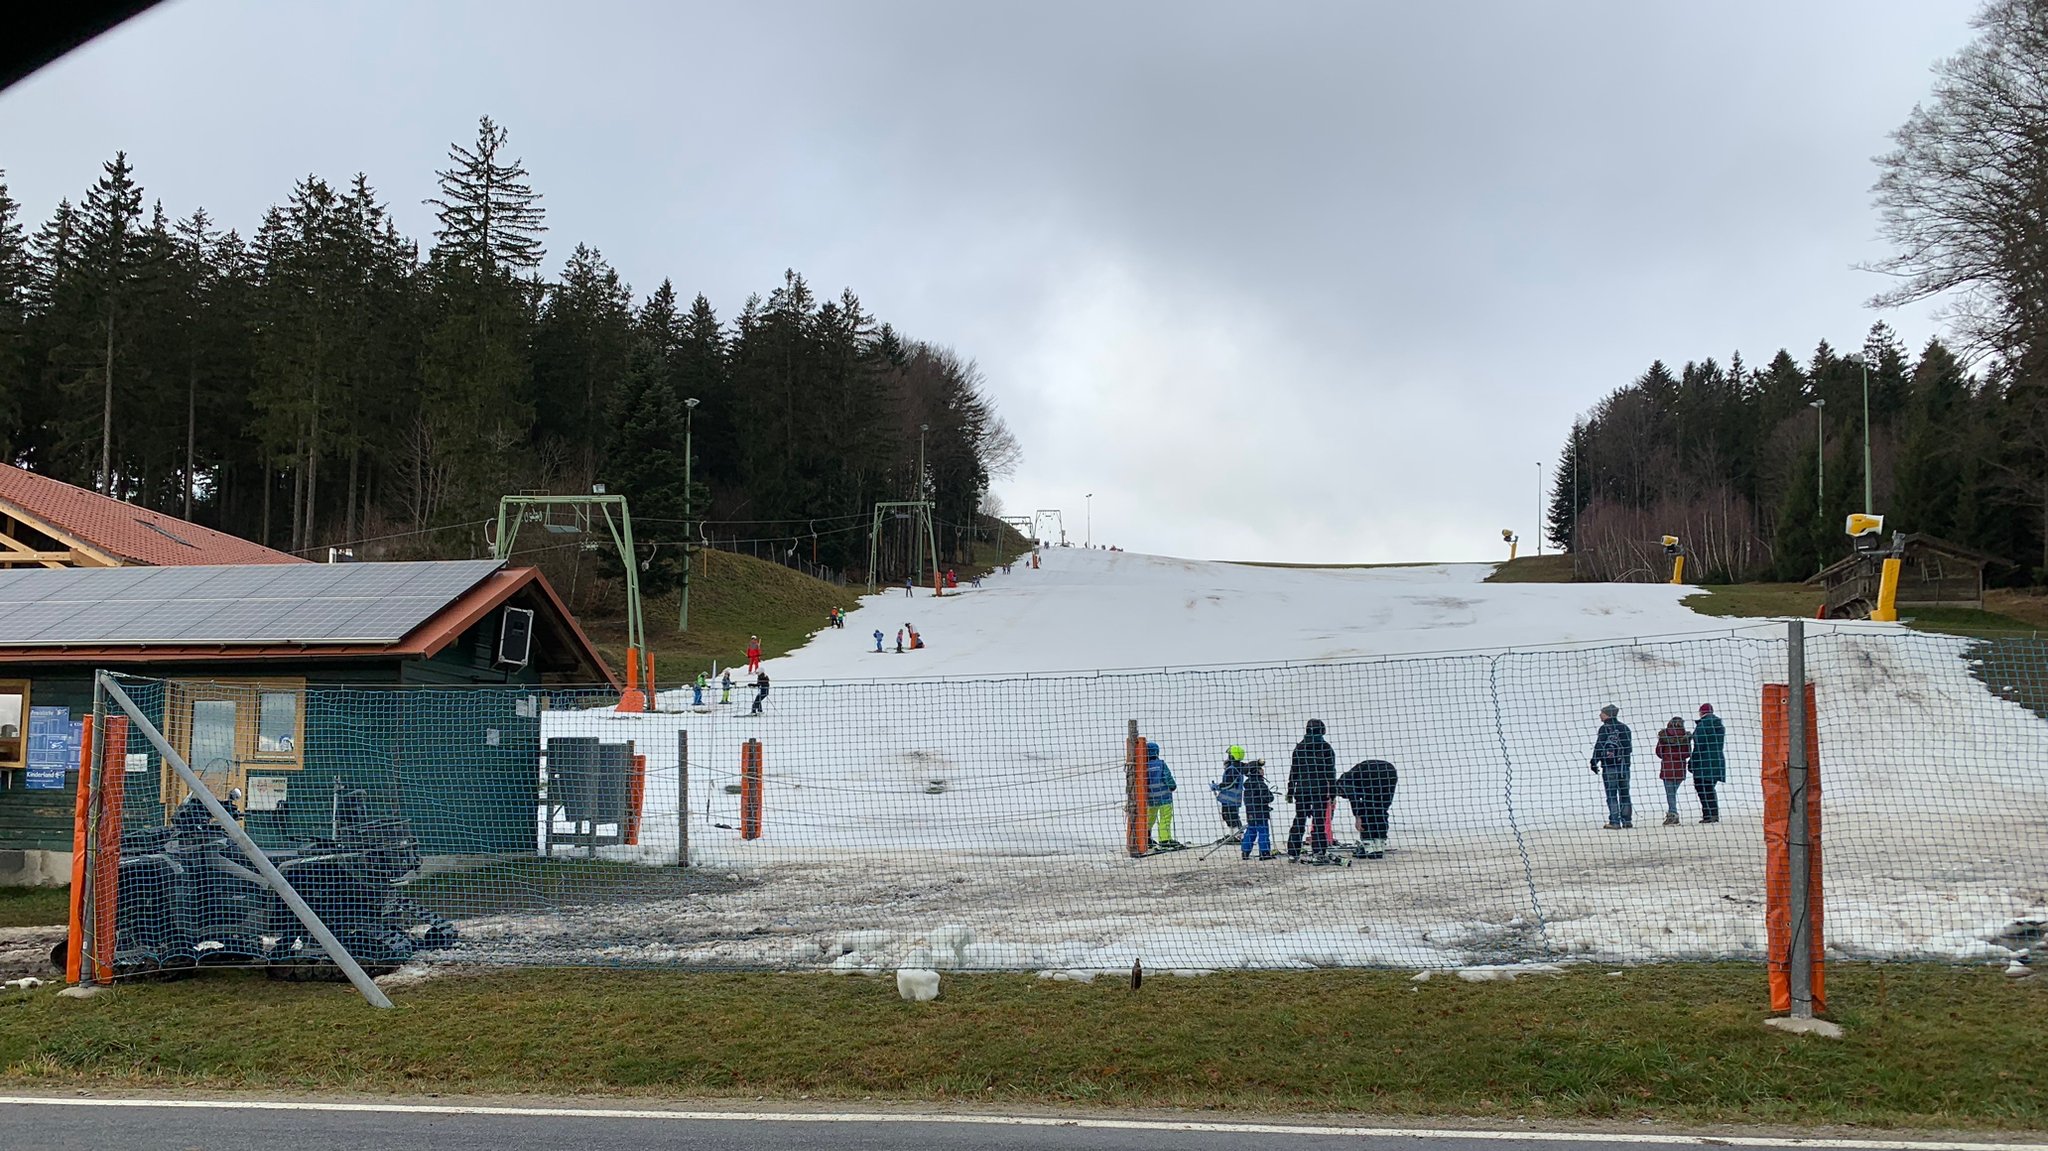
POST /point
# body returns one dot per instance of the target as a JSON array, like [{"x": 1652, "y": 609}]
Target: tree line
[
  {"x": 326, "y": 381},
  {"x": 1756, "y": 469}
]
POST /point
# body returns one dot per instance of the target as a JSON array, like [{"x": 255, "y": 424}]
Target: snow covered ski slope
[{"x": 975, "y": 787}]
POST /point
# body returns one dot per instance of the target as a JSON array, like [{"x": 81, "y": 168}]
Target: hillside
[{"x": 731, "y": 597}]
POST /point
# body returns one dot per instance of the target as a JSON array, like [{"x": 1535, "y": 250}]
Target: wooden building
[{"x": 1933, "y": 573}]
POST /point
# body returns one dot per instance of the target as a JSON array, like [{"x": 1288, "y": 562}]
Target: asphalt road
[{"x": 68, "y": 1123}]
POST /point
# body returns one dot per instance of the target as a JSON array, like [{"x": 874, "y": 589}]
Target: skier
[
  {"x": 1674, "y": 748},
  {"x": 697, "y": 689},
  {"x": 1709, "y": 761},
  {"x": 1159, "y": 787},
  {"x": 1311, "y": 783},
  {"x": 878, "y": 640},
  {"x": 899, "y": 641},
  {"x": 754, "y": 653},
  {"x": 1258, "y": 812},
  {"x": 906, "y": 585},
  {"x": 952, "y": 581},
  {"x": 760, "y": 692},
  {"x": 1613, "y": 749},
  {"x": 725, "y": 685},
  {"x": 1369, "y": 788},
  {"x": 916, "y": 640},
  {"x": 1230, "y": 792}
]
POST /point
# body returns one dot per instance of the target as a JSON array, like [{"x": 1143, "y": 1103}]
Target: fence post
[
  {"x": 81, "y": 832},
  {"x": 106, "y": 834},
  {"x": 1135, "y": 835},
  {"x": 750, "y": 789},
  {"x": 682, "y": 799},
  {"x": 1798, "y": 839}
]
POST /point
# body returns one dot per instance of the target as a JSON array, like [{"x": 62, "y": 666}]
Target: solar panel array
[{"x": 355, "y": 603}]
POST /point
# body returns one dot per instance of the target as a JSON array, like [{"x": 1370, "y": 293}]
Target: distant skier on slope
[
  {"x": 1613, "y": 755},
  {"x": 899, "y": 641},
  {"x": 1258, "y": 812},
  {"x": 1159, "y": 788},
  {"x": 697, "y": 687},
  {"x": 754, "y": 653},
  {"x": 1369, "y": 788},
  {"x": 725, "y": 684},
  {"x": 878, "y": 639},
  {"x": 1311, "y": 785},
  {"x": 760, "y": 692}
]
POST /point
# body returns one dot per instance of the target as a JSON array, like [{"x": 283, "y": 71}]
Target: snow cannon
[
  {"x": 1865, "y": 531},
  {"x": 1676, "y": 551},
  {"x": 1508, "y": 537}
]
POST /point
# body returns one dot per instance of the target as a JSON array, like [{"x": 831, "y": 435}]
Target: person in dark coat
[
  {"x": 1258, "y": 812},
  {"x": 1613, "y": 757},
  {"x": 760, "y": 692},
  {"x": 1369, "y": 788},
  {"x": 1709, "y": 762},
  {"x": 1311, "y": 785}
]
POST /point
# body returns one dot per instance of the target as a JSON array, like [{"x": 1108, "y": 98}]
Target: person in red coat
[
  {"x": 1674, "y": 749},
  {"x": 754, "y": 653}
]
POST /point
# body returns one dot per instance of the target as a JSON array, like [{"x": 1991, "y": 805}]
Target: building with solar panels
[{"x": 276, "y": 679}]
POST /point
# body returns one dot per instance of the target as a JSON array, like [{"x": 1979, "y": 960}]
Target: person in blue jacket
[
  {"x": 1613, "y": 759},
  {"x": 1159, "y": 787},
  {"x": 878, "y": 639},
  {"x": 1258, "y": 812},
  {"x": 1230, "y": 792}
]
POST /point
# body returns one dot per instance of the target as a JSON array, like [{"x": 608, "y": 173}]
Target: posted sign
[{"x": 52, "y": 747}]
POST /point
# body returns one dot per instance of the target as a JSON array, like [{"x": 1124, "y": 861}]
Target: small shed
[
  {"x": 269, "y": 677},
  {"x": 1932, "y": 573}
]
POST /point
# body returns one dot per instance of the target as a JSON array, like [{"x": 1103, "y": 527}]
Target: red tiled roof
[{"x": 124, "y": 531}]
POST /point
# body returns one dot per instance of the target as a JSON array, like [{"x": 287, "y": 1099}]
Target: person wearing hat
[
  {"x": 1258, "y": 812},
  {"x": 1230, "y": 792},
  {"x": 1159, "y": 788},
  {"x": 1709, "y": 762},
  {"x": 1311, "y": 786},
  {"x": 1674, "y": 748},
  {"x": 1613, "y": 753}
]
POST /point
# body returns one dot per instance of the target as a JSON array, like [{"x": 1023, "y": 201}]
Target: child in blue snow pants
[{"x": 1263, "y": 833}]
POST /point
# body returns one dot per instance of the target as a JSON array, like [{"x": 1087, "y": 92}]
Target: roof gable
[{"x": 123, "y": 532}]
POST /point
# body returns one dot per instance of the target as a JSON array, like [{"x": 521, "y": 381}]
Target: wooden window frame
[
  {"x": 247, "y": 696},
  {"x": 20, "y": 760}
]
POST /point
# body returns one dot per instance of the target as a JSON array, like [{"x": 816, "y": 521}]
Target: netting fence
[{"x": 989, "y": 824}]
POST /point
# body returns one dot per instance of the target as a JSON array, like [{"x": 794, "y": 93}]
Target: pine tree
[
  {"x": 107, "y": 257},
  {"x": 1567, "y": 497},
  {"x": 491, "y": 218},
  {"x": 581, "y": 345},
  {"x": 15, "y": 273}
]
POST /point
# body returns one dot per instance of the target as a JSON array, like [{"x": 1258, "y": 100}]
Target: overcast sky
[{"x": 1295, "y": 281}]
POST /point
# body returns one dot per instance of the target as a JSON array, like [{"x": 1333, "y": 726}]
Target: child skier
[
  {"x": 1258, "y": 812},
  {"x": 697, "y": 689},
  {"x": 1230, "y": 792},
  {"x": 725, "y": 695},
  {"x": 760, "y": 692},
  {"x": 899, "y": 641},
  {"x": 878, "y": 640},
  {"x": 1159, "y": 787}
]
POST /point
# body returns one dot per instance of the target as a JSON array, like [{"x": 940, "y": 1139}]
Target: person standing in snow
[
  {"x": 1709, "y": 762},
  {"x": 1230, "y": 793},
  {"x": 1674, "y": 748},
  {"x": 1311, "y": 784},
  {"x": 878, "y": 640},
  {"x": 1613, "y": 756},
  {"x": 725, "y": 683},
  {"x": 899, "y": 641},
  {"x": 1369, "y": 788},
  {"x": 1159, "y": 788},
  {"x": 906, "y": 585},
  {"x": 754, "y": 653},
  {"x": 760, "y": 692},
  {"x": 697, "y": 687},
  {"x": 1258, "y": 812}
]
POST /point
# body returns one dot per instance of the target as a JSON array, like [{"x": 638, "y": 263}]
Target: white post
[{"x": 342, "y": 959}]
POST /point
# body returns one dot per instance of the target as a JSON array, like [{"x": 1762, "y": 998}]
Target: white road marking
[{"x": 1630, "y": 1137}]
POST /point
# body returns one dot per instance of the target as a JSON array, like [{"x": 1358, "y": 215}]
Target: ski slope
[{"x": 975, "y": 788}]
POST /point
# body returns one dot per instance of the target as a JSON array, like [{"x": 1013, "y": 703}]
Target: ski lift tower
[
  {"x": 919, "y": 515},
  {"x": 539, "y": 509},
  {"x": 1043, "y": 514}
]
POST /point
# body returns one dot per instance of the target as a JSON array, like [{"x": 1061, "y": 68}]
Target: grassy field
[
  {"x": 1751, "y": 600},
  {"x": 34, "y": 906},
  {"x": 731, "y": 598},
  {"x": 1533, "y": 569},
  {"x": 1925, "y": 1047}
]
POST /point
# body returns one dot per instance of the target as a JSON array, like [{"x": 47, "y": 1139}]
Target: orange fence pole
[
  {"x": 633, "y": 700},
  {"x": 636, "y": 790},
  {"x": 750, "y": 789},
  {"x": 106, "y": 879},
  {"x": 74, "y": 948},
  {"x": 1137, "y": 837},
  {"x": 1777, "y": 852}
]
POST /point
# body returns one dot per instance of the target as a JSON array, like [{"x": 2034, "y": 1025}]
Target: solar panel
[{"x": 355, "y": 603}]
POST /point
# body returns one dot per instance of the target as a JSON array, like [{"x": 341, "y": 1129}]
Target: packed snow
[{"x": 961, "y": 806}]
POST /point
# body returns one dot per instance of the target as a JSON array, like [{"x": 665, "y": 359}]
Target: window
[
  {"x": 13, "y": 723},
  {"x": 212, "y": 753},
  {"x": 277, "y": 723}
]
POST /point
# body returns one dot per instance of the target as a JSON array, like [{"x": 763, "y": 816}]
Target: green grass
[
  {"x": 731, "y": 598},
  {"x": 1926, "y": 1046},
  {"x": 34, "y": 906},
  {"x": 1751, "y": 600},
  {"x": 1533, "y": 569}
]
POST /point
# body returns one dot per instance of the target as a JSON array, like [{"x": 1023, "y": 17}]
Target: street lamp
[
  {"x": 689, "y": 509},
  {"x": 1868, "y": 503},
  {"x": 1088, "y": 505},
  {"x": 1539, "y": 507},
  {"x": 1820, "y": 458},
  {"x": 917, "y": 541}
]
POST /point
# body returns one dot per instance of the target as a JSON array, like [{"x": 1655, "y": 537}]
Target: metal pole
[
  {"x": 1869, "y": 503},
  {"x": 88, "y": 916},
  {"x": 1539, "y": 507},
  {"x": 1820, "y": 459},
  {"x": 1089, "y": 502},
  {"x": 689, "y": 509},
  {"x": 1573, "y": 542},
  {"x": 917, "y": 560},
  {"x": 271, "y": 877},
  {"x": 682, "y": 799},
  {"x": 1798, "y": 838}
]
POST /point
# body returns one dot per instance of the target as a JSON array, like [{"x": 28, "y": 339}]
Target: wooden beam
[{"x": 13, "y": 551}]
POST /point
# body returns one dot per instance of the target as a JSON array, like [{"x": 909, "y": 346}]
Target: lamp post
[
  {"x": 689, "y": 510},
  {"x": 1539, "y": 507},
  {"x": 1088, "y": 504},
  {"x": 917, "y": 541},
  {"x": 1868, "y": 502},
  {"x": 1820, "y": 458}
]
